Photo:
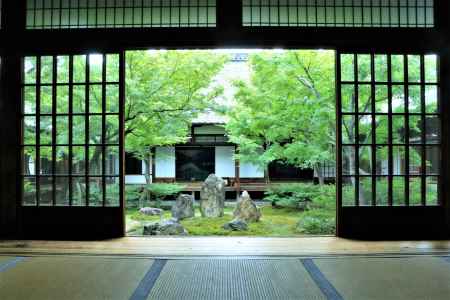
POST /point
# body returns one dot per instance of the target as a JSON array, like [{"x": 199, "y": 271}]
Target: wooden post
[{"x": 237, "y": 175}]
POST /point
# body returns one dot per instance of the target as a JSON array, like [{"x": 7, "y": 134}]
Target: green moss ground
[{"x": 275, "y": 222}]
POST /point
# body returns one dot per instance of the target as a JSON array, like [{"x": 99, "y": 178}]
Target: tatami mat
[
  {"x": 388, "y": 278},
  {"x": 66, "y": 278},
  {"x": 5, "y": 259},
  {"x": 235, "y": 279},
  {"x": 349, "y": 277}
]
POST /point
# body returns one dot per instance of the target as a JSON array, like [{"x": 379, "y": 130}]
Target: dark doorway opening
[{"x": 194, "y": 164}]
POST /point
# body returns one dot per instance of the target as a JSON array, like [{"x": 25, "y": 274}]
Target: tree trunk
[{"x": 319, "y": 173}]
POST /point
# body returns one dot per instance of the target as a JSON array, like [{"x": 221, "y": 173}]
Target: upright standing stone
[
  {"x": 183, "y": 207},
  {"x": 212, "y": 197},
  {"x": 246, "y": 210}
]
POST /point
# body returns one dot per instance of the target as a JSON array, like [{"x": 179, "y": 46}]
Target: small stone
[
  {"x": 183, "y": 207},
  {"x": 168, "y": 227},
  {"x": 246, "y": 209},
  {"x": 150, "y": 211},
  {"x": 212, "y": 197},
  {"x": 236, "y": 225}
]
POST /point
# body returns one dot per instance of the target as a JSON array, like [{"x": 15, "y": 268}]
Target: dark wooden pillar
[
  {"x": 13, "y": 24},
  {"x": 237, "y": 175},
  {"x": 443, "y": 27}
]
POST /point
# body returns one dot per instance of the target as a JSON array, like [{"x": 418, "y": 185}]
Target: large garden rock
[
  {"x": 212, "y": 197},
  {"x": 150, "y": 211},
  {"x": 236, "y": 225},
  {"x": 183, "y": 207},
  {"x": 168, "y": 227},
  {"x": 246, "y": 210}
]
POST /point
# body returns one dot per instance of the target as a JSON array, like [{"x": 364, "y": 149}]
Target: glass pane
[
  {"x": 433, "y": 130},
  {"x": 415, "y": 130},
  {"x": 63, "y": 69},
  {"x": 348, "y": 129},
  {"x": 432, "y": 191},
  {"x": 348, "y": 191},
  {"x": 29, "y": 161},
  {"x": 382, "y": 191},
  {"x": 415, "y": 160},
  {"x": 79, "y": 130},
  {"x": 46, "y": 130},
  {"x": 365, "y": 160},
  {"x": 46, "y": 191},
  {"x": 399, "y": 160},
  {"x": 95, "y": 130},
  {"x": 431, "y": 99},
  {"x": 348, "y": 160},
  {"x": 398, "y": 129},
  {"x": 112, "y": 68},
  {"x": 347, "y": 67},
  {"x": 29, "y": 191},
  {"x": 78, "y": 191},
  {"x": 365, "y": 129},
  {"x": 95, "y": 160},
  {"x": 364, "y": 98},
  {"x": 415, "y": 99},
  {"x": 397, "y": 68},
  {"x": 382, "y": 157},
  {"x": 348, "y": 98},
  {"x": 79, "y": 68},
  {"x": 364, "y": 67},
  {"x": 112, "y": 129},
  {"x": 415, "y": 191},
  {"x": 381, "y": 99},
  {"x": 46, "y": 159},
  {"x": 95, "y": 191},
  {"x": 30, "y": 70},
  {"x": 78, "y": 160},
  {"x": 398, "y": 99},
  {"x": 95, "y": 99},
  {"x": 29, "y": 130},
  {"x": 96, "y": 67},
  {"x": 431, "y": 70},
  {"x": 29, "y": 100},
  {"x": 112, "y": 161},
  {"x": 46, "y": 100},
  {"x": 46, "y": 69},
  {"x": 398, "y": 191},
  {"x": 382, "y": 129},
  {"x": 414, "y": 68},
  {"x": 381, "y": 69},
  {"x": 62, "y": 100},
  {"x": 79, "y": 97},
  {"x": 433, "y": 160},
  {"x": 62, "y": 161},
  {"x": 62, "y": 130},
  {"x": 112, "y": 191},
  {"x": 112, "y": 98},
  {"x": 365, "y": 195},
  {"x": 62, "y": 191}
]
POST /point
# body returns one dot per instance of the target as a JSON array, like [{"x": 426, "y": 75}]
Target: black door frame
[{"x": 18, "y": 42}]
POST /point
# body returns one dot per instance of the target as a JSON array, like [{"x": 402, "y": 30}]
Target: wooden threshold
[{"x": 224, "y": 246}]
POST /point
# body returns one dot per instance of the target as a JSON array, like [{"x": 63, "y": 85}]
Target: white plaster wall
[
  {"x": 225, "y": 166},
  {"x": 248, "y": 170},
  {"x": 135, "y": 179},
  {"x": 165, "y": 162}
]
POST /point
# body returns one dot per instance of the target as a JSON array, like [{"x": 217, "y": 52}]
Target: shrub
[
  {"x": 317, "y": 222},
  {"x": 301, "y": 196},
  {"x": 133, "y": 194},
  {"x": 159, "y": 191}
]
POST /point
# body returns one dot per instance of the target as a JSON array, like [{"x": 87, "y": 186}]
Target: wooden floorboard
[{"x": 225, "y": 246}]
